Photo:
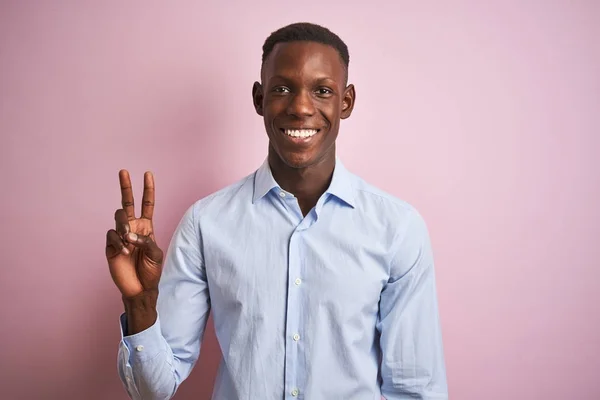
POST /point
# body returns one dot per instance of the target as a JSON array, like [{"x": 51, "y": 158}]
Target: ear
[
  {"x": 348, "y": 101},
  {"x": 257, "y": 98}
]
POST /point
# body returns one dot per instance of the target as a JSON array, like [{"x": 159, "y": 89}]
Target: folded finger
[
  {"x": 121, "y": 222},
  {"x": 146, "y": 243},
  {"x": 114, "y": 244}
]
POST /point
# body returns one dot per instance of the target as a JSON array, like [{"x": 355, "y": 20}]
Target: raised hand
[{"x": 134, "y": 258}]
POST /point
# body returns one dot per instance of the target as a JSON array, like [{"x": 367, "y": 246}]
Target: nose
[{"x": 301, "y": 104}]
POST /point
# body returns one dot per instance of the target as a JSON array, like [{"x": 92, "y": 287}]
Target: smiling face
[{"x": 302, "y": 98}]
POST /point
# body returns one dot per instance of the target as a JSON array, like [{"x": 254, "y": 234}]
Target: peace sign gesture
[{"x": 134, "y": 259}]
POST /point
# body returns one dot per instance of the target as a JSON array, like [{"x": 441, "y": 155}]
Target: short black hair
[{"x": 304, "y": 31}]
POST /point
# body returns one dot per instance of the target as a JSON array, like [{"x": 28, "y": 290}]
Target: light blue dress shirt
[{"x": 339, "y": 304}]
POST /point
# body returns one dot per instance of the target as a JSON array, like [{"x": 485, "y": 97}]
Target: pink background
[{"x": 483, "y": 114}]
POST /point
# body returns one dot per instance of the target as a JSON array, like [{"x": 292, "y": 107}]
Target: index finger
[
  {"x": 126, "y": 193},
  {"x": 148, "y": 199}
]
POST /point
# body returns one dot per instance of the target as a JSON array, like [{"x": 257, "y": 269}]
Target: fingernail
[
  {"x": 132, "y": 237},
  {"x": 125, "y": 250}
]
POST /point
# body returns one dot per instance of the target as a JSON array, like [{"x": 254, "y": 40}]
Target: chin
[
  {"x": 297, "y": 160},
  {"x": 300, "y": 153}
]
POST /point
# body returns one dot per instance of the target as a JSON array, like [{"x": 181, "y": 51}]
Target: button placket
[{"x": 293, "y": 319}]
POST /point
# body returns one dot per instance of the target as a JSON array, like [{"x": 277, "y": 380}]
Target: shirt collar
[
  {"x": 263, "y": 181},
  {"x": 340, "y": 186}
]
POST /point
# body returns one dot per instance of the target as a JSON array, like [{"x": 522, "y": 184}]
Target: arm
[
  {"x": 413, "y": 364},
  {"x": 152, "y": 363}
]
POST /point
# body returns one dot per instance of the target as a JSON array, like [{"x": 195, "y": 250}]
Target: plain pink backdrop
[{"x": 482, "y": 114}]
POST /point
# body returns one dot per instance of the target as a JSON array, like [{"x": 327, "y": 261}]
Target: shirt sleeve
[
  {"x": 413, "y": 365},
  {"x": 153, "y": 363}
]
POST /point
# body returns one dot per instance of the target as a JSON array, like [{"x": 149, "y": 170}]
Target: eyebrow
[{"x": 318, "y": 79}]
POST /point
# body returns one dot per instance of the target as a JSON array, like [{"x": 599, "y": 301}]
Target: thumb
[{"x": 151, "y": 249}]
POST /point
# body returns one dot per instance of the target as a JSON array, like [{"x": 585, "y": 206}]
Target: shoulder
[
  {"x": 228, "y": 197},
  {"x": 380, "y": 204},
  {"x": 404, "y": 229}
]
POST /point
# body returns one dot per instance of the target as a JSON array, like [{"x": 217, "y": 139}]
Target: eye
[
  {"x": 281, "y": 89},
  {"x": 323, "y": 91}
]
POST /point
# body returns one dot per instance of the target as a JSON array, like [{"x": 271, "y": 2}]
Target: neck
[{"x": 308, "y": 184}]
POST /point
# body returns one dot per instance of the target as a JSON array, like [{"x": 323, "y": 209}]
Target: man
[{"x": 321, "y": 286}]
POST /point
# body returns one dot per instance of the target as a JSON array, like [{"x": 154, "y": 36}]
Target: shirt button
[
  {"x": 296, "y": 337},
  {"x": 282, "y": 194},
  {"x": 295, "y": 392},
  {"x": 298, "y": 281},
  {"x": 139, "y": 348}
]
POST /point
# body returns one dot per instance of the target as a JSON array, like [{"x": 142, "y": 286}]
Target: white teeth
[{"x": 303, "y": 133}]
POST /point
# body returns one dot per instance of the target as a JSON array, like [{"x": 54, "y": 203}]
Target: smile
[{"x": 300, "y": 133}]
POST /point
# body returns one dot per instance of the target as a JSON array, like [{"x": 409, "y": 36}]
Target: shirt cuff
[{"x": 143, "y": 345}]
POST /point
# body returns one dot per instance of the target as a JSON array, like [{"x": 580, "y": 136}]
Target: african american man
[{"x": 321, "y": 285}]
